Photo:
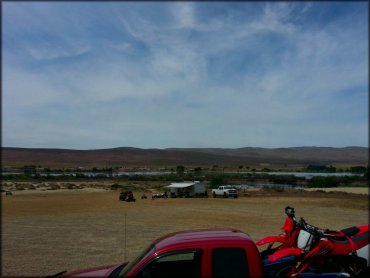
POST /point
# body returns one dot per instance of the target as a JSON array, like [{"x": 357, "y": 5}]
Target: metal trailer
[{"x": 187, "y": 189}]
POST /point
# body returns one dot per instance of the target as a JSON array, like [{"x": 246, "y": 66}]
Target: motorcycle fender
[
  {"x": 364, "y": 253},
  {"x": 285, "y": 253},
  {"x": 271, "y": 239},
  {"x": 364, "y": 229}
]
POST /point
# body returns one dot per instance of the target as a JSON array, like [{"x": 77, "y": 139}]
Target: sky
[{"x": 95, "y": 75}]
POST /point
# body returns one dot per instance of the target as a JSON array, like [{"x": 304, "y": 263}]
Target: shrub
[
  {"x": 217, "y": 181},
  {"x": 323, "y": 182},
  {"x": 71, "y": 186}
]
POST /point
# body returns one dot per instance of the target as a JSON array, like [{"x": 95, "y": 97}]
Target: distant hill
[{"x": 127, "y": 156}]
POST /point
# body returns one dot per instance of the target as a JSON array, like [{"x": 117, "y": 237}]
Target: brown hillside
[{"x": 185, "y": 156}]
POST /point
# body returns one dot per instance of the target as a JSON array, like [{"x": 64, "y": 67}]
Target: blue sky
[{"x": 184, "y": 74}]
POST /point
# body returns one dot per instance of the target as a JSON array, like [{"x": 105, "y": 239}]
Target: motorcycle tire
[
  {"x": 284, "y": 272},
  {"x": 363, "y": 273}
]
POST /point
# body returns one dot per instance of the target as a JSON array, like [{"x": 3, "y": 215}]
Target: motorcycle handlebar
[
  {"x": 310, "y": 228},
  {"x": 301, "y": 223}
]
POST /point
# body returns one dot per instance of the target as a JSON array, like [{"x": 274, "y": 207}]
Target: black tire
[
  {"x": 283, "y": 273},
  {"x": 363, "y": 273},
  {"x": 214, "y": 195},
  {"x": 278, "y": 271},
  {"x": 342, "y": 263}
]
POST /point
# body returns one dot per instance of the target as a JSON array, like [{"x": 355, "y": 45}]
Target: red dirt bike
[
  {"x": 321, "y": 252},
  {"x": 333, "y": 251},
  {"x": 287, "y": 239}
]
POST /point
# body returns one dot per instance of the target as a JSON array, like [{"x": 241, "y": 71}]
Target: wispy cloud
[{"x": 185, "y": 74}]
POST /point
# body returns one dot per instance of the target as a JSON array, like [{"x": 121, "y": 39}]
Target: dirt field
[
  {"x": 357, "y": 190},
  {"x": 47, "y": 232}
]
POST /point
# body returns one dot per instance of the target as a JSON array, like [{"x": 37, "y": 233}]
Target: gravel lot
[{"x": 44, "y": 232}]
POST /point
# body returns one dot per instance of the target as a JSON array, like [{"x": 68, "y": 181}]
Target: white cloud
[
  {"x": 183, "y": 13},
  {"x": 49, "y": 52},
  {"x": 23, "y": 90},
  {"x": 181, "y": 80}
]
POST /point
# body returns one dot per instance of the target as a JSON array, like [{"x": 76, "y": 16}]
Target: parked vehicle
[
  {"x": 200, "y": 253},
  {"x": 127, "y": 196},
  {"x": 313, "y": 250},
  {"x": 303, "y": 251},
  {"x": 225, "y": 191},
  {"x": 163, "y": 195},
  {"x": 329, "y": 251},
  {"x": 187, "y": 189}
]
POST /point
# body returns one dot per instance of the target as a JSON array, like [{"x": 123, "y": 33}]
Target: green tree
[
  {"x": 323, "y": 182},
  {"x": 358, "y": 170},
  {"x": 29, "y": 170},
  {"x": 197, "y": 171},
  {"x": 180, "y": 170},
  {"x": 216, "y": 181}
]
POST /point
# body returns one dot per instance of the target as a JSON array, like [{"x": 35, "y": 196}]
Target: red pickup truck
[
  {"x": 198, "y": 253},
  {"x": 208, "y": 253}
]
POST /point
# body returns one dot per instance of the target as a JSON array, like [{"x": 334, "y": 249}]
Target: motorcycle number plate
[{"x": 304, "y": 240}]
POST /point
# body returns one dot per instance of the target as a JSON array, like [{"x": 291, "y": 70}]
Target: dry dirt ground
[{"x": 50, "y": 231}]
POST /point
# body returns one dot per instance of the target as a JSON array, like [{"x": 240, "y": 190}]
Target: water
[
  {"x": 309, "y": 174},
  {"x": 98, "y": 174},
  {"x": 158, "y": 173}
]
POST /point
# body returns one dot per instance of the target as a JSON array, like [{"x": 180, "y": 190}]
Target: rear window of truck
[{"x": 229, "y": 262}]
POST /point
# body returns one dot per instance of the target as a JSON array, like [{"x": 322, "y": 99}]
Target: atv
[{"x": 127, "y": 196}]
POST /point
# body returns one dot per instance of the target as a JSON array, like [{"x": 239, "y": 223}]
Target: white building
[{"x": 187, "y": 189}]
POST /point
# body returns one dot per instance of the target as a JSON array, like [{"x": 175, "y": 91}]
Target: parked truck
[
  {"x": 197, "y": 253},
  {"x": 225, "y": 191},
  {"x": 200, "y": 254}
]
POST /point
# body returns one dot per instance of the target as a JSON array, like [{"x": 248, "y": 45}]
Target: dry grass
[
  {"x": 47, "y": 232},
  {"x": 355, "y": 190}
]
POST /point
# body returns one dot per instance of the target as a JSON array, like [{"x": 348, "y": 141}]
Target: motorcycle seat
[
  {"x": 356, "y": 239},
  {"x": 350, "y": 231}
]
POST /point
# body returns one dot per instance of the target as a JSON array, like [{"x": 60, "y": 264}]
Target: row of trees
[
  {"x": 180, "y": 169},
  {"x": 332, "y": 169},
  {"x": 214, "y": 179}
]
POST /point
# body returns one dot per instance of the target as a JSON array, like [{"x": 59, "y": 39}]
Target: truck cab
[
  {"x": 199, "y": 253},
  {"x": 225, "y": 191}
]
